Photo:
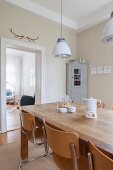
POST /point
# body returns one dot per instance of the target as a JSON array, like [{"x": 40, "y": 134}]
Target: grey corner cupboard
[{"x": 76, "y": 80}]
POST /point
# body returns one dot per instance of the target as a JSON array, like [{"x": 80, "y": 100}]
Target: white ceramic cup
[
  {"x": 72, "y": 109},
  {"x": 63, "y": 110}
]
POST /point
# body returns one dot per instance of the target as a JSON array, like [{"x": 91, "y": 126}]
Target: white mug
[
  {"x": 72, "y": 109},
  {"x": 63, "y": 110}
]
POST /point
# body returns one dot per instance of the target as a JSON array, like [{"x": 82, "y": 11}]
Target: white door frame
[{"x": 5, "y": 42}]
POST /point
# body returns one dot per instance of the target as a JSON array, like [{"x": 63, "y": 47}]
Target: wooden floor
[
  {"x": 9, "y": 137},
  {"x": 13, "y": 126},
  {"x": 13, "y": 119}
]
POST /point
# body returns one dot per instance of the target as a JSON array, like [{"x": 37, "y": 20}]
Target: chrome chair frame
[
  {"x": 90, "y": 162},
  {"x": 75, "y": 164},
  {"x": 22, "y": 163}
]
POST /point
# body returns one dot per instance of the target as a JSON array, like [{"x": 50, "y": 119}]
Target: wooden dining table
[{"x": 99, "y": 130}]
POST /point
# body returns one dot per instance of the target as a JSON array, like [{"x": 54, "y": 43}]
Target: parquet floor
[
  {"x": 9, "y": 137},
  {"x": 13, "y": 119},
  {"x": 13, "y": 126}
]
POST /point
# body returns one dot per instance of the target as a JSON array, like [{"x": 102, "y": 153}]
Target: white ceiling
[
  {"x": 77, "y": 14},
  {"x": 74, "y": 9}
]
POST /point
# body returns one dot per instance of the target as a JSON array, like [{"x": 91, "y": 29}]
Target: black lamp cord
[{"x": 61, "y": 18}]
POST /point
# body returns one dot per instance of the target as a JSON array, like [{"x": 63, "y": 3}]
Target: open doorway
[
  {"x": 39, "y": 76},
  {"x": 20, "y": 83}
]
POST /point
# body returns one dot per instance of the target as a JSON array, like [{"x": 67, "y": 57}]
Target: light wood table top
[{"x": 99, "y": 130}]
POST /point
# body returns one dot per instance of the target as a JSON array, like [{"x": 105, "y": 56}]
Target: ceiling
[{"x": 77, "y": 14}]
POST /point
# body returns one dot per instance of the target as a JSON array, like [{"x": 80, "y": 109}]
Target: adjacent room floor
[
  {"x": 13, "y": 119},
  {"x": 9, "y": 137}
]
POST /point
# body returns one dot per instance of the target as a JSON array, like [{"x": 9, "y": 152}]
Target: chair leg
[
  {"x": 37, "y": 157},
  {"x": 90, "y": 161},
  {"x": 30, "y": 160},
  {"x": 45, "y": 141},
  {"x": 75, "y": 164}
]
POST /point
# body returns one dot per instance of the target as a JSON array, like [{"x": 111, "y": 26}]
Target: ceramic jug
[{"x": 91, "y": 107}]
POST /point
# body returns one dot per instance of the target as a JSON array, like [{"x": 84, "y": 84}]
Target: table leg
[{"x": 24, "y": 146}]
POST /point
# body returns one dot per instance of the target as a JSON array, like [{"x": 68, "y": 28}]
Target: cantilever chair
[
  {"x": 65, "y": 148},
  {"x": 112, "y": 107},
  {"x": 34, "y": 132},
  {"x": 98, "y": 160},
  {"x": 102, "y": 105}
]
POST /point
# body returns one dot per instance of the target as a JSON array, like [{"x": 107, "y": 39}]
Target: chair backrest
[
  {"x": 98, "y": 160},
  {"x": 102, "y": 105},
  {"x": 112, "y": 107},
  {"x": 27, "y": 121},
  {"x": 60, "y": 141}
]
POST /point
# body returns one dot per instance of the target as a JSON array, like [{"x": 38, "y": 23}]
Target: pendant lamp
[
  {"x": 108, "y": 32},
  {"x": 61, "y": 49}
]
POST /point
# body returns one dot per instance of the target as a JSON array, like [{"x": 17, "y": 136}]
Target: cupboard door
[
  {"x": 76, "y": 97},
  {"x": 76, "y": 84}
]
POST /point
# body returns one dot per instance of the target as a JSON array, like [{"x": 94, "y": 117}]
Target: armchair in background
[
  {"x": 27, "y": 100},
  {"x": 10, "y": 96}
]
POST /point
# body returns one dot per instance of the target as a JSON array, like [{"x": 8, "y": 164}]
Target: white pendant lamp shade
[
  {"x": 61, "y": 49},
  {"x": 108, "y": 32}
]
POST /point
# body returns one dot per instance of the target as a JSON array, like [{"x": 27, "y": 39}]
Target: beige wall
[
  {"x": 27, "y": 23},
  {"x": 89, "y": 47}
]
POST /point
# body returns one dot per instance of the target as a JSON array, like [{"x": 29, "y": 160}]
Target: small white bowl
[
  {"x": 63, "y": 110},
  {"x": 72, "y": 109}
]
